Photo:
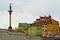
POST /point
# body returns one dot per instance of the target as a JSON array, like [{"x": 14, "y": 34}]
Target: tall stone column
[{"x": 10, "y": 12}]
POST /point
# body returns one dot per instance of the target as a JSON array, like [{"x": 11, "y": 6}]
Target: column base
[{"x": 10, "y": 28}]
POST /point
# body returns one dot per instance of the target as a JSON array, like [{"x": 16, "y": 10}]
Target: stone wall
[{"x": 6, "y": 35}]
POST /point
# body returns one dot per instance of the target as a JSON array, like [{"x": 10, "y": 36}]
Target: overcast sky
[{"x": 27, "y": 11}]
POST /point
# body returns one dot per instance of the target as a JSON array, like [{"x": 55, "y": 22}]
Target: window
[
  {"x": 43, "y": 22},
  {"x": 49, "y": 22}
]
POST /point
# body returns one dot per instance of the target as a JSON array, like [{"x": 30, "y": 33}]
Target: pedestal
[{"x": 10, "y": 28}]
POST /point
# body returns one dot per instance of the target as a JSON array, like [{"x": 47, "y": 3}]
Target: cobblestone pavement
[{"x": 6, "y": 35}]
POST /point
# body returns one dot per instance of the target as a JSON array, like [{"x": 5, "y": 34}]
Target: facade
[
  {"x": 35, "y": 30},
  {"x": 45, "y": 26},
  {"x": 24, "y": 27},
  {"x": 52, "y": 29},
  {"x": 37, "y": 22},
  {"x": 45, "y": 20},
  {"x": 44, "y": 31},
  {"x": 59, "y": 32}
]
